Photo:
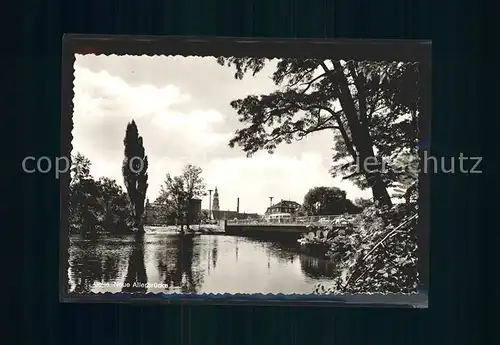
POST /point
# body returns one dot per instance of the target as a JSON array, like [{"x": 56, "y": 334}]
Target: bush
[{"x": 376, "y": 254}]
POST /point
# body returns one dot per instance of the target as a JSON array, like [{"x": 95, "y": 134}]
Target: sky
[{"x": 181, "y": 106}]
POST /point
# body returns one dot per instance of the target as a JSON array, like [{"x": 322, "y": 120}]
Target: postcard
[{"x": 221, "y": 170}]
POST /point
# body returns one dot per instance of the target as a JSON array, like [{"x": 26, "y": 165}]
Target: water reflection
[
  {"x": 214, "y": 252},
  {"x": 317, "y": 268},
  {"x": 136, "y": 278},
  {"x": 92, "y": 262},
  {"x": 178, "y": 263},
  {"x": 312, "y": 267},
  {"x": 168, "y": 262}
]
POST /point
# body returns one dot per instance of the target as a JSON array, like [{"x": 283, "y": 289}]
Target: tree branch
[
  {"x": 352, "y": 175},
  {"x": 297, "y": 130},
  {"x": 361, "y": 95},
  {"x": 389, "y": 235},
  {"x": 300, "y": 78},
  {"x": 310, "y": 83},
  {"x": 374, "y": 102},
  {"x": 347, "y": 101},
  {"x": 345, "y": 136}
]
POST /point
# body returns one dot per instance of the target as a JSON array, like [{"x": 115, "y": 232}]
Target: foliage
[
  {"x": 177, "y": 191},
  {"x": 134, "y": 169},
  {"x": 161, "y": 213},
  {"x": 363, "y": 203},
  {"x": 96, "y": 205},
  {"x": 204, "y": 216},
  {"x": 327, "y": 201},
  {"x": 366, "y": 106},
  {"x": 315, "y": 237},
  {"x": 174, "y": 196},
  {"x": 325, "y": 233},
  {"x": 116, "y": 207},
  {"x": 406, "y": 188},
  {"x": 194, "y": 183},
  {"x": 80, "y": 169},
  {"x": 317, "y": 242},
  {"x": 301, "y": 211},
  {"x": 378, "y": 253},
  {"x": 83, "y": 197}
]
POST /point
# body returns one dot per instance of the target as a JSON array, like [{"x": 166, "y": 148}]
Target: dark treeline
[
  {"x": 96, "y": 205},
  {"x": 320, "y": 201},
  {"x": 101, "y": 206}
]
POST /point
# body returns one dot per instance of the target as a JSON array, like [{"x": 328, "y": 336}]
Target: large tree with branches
[
  {"x": 371, "y": 108},
  {"x": 178, "y": 192}
]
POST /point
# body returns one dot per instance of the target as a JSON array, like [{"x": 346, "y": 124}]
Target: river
[{"x": 192, "y": 264}]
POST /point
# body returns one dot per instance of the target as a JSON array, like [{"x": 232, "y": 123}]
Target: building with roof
[
  {"x": 194, "y": 210},
  {"x": 158, "y": 214},
  {"x": 283, "y": 207}
]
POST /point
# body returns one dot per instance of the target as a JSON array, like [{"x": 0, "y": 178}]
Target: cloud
[{"x": 104, "y": 104}]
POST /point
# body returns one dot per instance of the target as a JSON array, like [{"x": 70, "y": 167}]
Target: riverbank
[
  {"x": 197, "y": 229},
  {"x": 208, "y": 229}
]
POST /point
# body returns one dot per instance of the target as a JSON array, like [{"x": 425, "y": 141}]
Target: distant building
[
  {"x": 230, "y": 215},
  {"x": 215, "y": 203},
  {"x": 284, "y": 206},
  {"x": 157, "y": 213},
  {"x": 218, "y": 214},
  {"x": 194, "y": 210}
]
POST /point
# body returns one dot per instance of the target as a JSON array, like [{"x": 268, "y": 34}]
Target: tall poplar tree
[{"x": 134, "y": 169}]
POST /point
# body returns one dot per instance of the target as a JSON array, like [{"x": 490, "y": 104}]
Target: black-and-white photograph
[{"x": 213, "y": 175}]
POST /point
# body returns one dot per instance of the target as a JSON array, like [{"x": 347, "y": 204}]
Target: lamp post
[
  {"x": 210, "y": 204},
  {"x": 270, "y": 204}
]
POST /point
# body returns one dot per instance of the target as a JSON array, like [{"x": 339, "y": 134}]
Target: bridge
[{"x": 285, "y": 224}]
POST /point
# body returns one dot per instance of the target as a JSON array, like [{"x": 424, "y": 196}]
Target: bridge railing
[{"x": 285, "y": 220}]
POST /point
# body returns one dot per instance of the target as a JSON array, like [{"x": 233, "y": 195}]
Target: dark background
[{"x": 32, "y": 253}]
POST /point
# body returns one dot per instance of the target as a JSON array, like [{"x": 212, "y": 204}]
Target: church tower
[{"x": 215, "y": 203}]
